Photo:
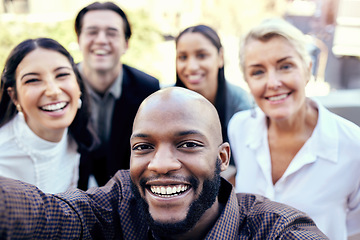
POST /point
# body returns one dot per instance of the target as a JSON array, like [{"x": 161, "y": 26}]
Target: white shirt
[
  {"x": 52, "y": 167},
  {"x": 322, "y": 180}
]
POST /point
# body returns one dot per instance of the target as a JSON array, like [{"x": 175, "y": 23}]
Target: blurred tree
[
  {"x": 141, "y": 53},
  {"x": 14, "y": 32}
]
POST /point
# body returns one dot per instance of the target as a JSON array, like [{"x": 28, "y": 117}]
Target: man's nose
[
  {"x": 164, "y": 161},
  {"x": 101, "y": 36}
]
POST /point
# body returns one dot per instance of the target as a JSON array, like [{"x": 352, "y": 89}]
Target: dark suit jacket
[{"x": 104, "y": 162}]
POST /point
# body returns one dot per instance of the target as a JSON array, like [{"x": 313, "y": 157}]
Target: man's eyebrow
[
  {"x": 139, "y": 135},
  {"x": 189, "y": 132},
  {"x": 97, "y": 28},
  {"x": 179, "y": 134}
]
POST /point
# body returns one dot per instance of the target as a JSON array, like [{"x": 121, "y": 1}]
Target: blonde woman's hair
[{"x": 276, "y": 27}]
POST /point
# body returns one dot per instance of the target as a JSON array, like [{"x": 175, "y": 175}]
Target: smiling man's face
[{"x": 176, "y": 157}]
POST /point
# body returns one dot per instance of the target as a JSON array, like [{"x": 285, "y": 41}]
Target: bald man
[{"x": 173, "y": 189}]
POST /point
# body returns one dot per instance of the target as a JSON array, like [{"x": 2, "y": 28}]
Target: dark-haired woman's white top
[{"x": 52, "y": 167}]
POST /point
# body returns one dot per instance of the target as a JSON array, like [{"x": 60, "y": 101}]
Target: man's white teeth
[
  {"x": 277, "y": 98},
  {"x": 100, "y": 52},
  {"x": 54, "y": 107},
  {"x": 168, "y": 191}
]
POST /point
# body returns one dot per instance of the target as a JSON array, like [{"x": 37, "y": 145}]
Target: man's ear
[
  {"x": 11, "y": 92},
  {"x": 126, "y": 47},
  {"x": 224, "y": 155}
]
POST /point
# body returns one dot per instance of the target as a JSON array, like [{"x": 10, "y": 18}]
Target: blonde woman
[{"x": 290, "y": 148}]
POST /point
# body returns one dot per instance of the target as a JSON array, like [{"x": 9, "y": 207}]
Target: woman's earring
[
  {"x": 79, "y": 103},
  {"x": 18, "y": 107}
]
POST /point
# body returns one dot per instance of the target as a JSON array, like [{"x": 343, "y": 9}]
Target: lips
[
  {"x": 54, "y": 107},
  {"x": 169, "y": 190},
  {"x": 194, "y": 79}
]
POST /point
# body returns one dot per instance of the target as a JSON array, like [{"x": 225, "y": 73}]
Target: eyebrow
[
  {"x": 278, "y": 61},
  {"x": 37, "y": 74},
  {"x": 196, "y": 51},
  {"x": 283, "y": 59},
  {"x": 27, "y": 74},
  {"x": 107, "y": 28},
  {"x": 179, "y": 134},
  {"x": 189, "y": 132},
  {"x": 62, "y": 67}
]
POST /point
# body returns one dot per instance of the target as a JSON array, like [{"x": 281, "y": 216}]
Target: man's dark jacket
[{"x": 104, "y": 161}]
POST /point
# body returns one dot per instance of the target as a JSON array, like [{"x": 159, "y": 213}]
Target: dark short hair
[
  {"x": 102, "y": 6},
  {"x": 214, "y": 38},
  {"x": 79, "y": 127}
]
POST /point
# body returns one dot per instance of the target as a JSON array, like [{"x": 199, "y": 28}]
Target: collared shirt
[
  {"x": 111, "y": 212},
  {"x": 51, "y": 166},
  {"x": 102, "y": 106},
  {"x": 322, "y": 180}
]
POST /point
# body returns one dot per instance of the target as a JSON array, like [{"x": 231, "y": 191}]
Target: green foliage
[
  {"x": 14, "y": 32},
  {"x": 142, "y": 43},
  {"x": 142, "y": 50}
]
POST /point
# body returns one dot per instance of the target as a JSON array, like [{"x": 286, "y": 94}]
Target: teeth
[
  {"x": 194, "y": 77},
  {"x": 277, "y": 98},
  {"x": 100, "y": 52},
  {"x": 168, "y": 191},
  {"x": 54, "y": 107}
]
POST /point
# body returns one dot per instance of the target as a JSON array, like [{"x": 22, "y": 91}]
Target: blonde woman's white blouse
[
  {"x": 322, "y": 180},
  {"x": 52, "y": 167}
]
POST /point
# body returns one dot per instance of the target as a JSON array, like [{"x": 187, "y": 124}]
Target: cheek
[
  {"x": 179, "y": 66},
  {"x": 72, "y": 88},
  {"x": 28, "y": 98},
  {"x": 84, "y": 43},
  {"x": 213, "y": 71},
  {"x": 256, "y": 88},
  {"x": 297, "y": 81},
  {"x": 137, "y": 167}
]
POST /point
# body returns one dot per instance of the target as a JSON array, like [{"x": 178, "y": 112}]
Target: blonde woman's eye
[
  {"x": 286, "y": 66},
  {"x": 257, "y": 72}
]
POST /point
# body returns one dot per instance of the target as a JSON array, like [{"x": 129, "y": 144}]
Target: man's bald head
[
  {"x": 176, "y": 103},
  {"x": 177, "y": 144}
]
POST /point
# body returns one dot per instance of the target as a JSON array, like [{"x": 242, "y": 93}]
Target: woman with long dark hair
[
  {"x": 43, "y": 116},
  {"x": 200, "y": 67}
]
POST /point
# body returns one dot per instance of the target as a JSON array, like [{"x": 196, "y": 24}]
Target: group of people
[{"x": 61, "y": 122}]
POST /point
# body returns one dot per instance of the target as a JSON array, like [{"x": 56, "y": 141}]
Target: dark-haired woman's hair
[
  {"x": 80, "y": 128},
  {"x": 220, "y": 100},
  {"x": 102, "y": 6}
]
